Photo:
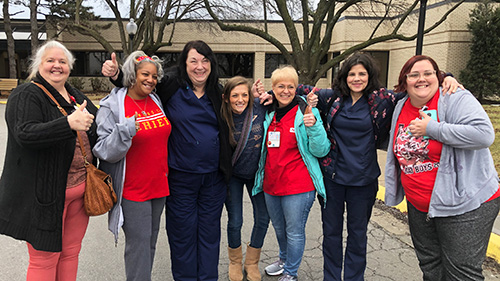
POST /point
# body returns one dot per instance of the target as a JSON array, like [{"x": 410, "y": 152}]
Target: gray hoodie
[
  {"x": 466, "y": 176},
  {"x": 115, "y": 133}
]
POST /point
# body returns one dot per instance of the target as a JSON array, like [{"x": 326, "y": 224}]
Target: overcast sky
[{"x": 100, "y": 9}]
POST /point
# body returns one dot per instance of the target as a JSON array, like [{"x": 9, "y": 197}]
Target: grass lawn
[{"x": 494, "y": 113}]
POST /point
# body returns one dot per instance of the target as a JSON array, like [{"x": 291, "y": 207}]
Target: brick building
[{"x": 248, "y": 55}]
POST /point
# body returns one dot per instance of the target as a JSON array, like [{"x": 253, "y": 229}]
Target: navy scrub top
[
  {"x": 194, "y": 141},
  {"x": 353, "y": 131}
]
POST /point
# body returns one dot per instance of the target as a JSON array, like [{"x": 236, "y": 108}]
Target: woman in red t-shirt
[
  {"x": 438, "y": 157},
  {"x": 289, "y": 171},
  {"x": 132, "y": 145}
]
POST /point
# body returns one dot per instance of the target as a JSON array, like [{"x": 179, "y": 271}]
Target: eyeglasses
[
  {"x": 283, "y": 87},
  {"x": 416, "y": 75}
]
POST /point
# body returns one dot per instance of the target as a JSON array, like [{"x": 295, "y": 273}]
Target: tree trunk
[
  {"x": 34, "y": 25},
  {"x": 10, "y": 41}
]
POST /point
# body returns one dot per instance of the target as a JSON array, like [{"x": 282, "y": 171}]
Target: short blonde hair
[{"x": 286, "y": 72}]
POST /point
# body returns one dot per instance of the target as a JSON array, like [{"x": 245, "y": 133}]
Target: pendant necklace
[{"x": 143, "y": 111}]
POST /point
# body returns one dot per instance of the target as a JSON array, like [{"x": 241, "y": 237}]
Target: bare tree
[
  {"x": 317, "y": 24},
  {"x": 34, "y": 24},
  {"x": 151, "y": 16},
  {"x": 10, "y": 40}
]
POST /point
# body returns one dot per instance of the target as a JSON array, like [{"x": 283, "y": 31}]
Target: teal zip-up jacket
[{"x": 312, "y": 143}]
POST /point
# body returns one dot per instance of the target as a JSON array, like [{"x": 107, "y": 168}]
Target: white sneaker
[
  {"x": 288, "y": 277},
  {"x": 276, "y": 268}
]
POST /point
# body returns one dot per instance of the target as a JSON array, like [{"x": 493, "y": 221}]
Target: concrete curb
[{"x": 493, "y": 246}]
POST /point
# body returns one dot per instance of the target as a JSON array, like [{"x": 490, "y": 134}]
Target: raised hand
[
  {"x": 312, "y": 99},
  {"x": 258, "y": 88},
  {"x": 309, "y": 119},
  {"x": 110, "y": 67},
  {"x": 80, "y": 119}
]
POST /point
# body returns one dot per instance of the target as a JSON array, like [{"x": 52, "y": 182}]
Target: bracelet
[{"x": 116, "y": 73}]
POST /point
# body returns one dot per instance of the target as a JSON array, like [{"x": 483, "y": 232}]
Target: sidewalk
[
  {"x": 494, "y": 244},
  {"x": 390, "y": 254}
]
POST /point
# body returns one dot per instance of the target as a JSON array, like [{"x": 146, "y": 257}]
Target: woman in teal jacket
[{"x": 289, "y": 171}]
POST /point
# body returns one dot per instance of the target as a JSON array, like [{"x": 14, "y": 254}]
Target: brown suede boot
[
  {"x": 252, "y": 263},
  {"x": 235, "y": 264}
]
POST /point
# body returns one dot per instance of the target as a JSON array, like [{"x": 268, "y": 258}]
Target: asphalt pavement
[{"x": 390, "y": 252}]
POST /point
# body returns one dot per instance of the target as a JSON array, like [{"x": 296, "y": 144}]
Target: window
[
  {"x": 274, "y": 61},
  {"x": 169, "y": 59},
  {"x": 90, "y": 63},
  {"x": 232, "y": 64},
  {"x": 381, "y": 58}
]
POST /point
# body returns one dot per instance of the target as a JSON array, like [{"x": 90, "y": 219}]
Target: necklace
[{"x": 143, "y": 111}]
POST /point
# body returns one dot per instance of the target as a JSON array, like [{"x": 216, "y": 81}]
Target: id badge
[{"x": 273, "y": 139}]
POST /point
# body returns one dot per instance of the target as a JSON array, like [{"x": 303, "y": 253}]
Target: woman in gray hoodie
[
  {"x": 438, "y": 157},
  {"x": 133, "y": 133}
]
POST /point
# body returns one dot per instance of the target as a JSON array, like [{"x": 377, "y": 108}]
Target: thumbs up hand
[
  {"x": 312, "y": 98},
  {"x": 80, "y": 119},
  {"x": 309, "y": 119},
  {"x": 418, "y": 127},
  {"x": 110, "y": 67}
]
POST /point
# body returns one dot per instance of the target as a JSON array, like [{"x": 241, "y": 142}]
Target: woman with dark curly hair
[{"x": 357, "y": 113}]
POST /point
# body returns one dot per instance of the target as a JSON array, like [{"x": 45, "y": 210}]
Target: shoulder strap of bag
[
  {"x": 86, "y": 163},
  {"x": 245, "y": 131}
]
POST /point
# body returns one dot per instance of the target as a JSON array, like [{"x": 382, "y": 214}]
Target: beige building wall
[{"x": 448, "y": 44}]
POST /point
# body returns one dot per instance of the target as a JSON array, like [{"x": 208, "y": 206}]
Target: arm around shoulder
[{"x": 466, "y": 124}]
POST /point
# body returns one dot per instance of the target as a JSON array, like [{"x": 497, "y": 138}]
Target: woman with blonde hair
[{"x": 289, "y": 174}]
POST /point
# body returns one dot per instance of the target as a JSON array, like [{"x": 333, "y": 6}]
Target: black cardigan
[
  {"x": 40, "y": 149},
  {"x": 168, "y": 86}
]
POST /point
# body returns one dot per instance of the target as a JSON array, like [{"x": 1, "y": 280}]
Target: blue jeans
[
  {"x": 234, "y": 207},
  {"x": 358, "y": 202},
  {"x": 289, "y": 216}
]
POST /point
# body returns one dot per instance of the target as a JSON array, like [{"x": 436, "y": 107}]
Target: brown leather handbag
[{"x": 99, "y": 196}]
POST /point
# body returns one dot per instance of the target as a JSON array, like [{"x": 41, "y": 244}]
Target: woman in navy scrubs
[
  {"x": 358, "y": 113},
  {"x": 199, "y": 159}
]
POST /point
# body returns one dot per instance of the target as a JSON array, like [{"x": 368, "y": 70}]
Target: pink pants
[{"x": 62, "y": 266}]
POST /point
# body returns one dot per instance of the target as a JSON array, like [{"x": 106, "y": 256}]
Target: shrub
[
  {"x": 77, "y": 82},
  {"x": 98, "y": 85}
]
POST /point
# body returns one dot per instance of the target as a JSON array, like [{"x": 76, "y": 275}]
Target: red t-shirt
[
  {"x": 285, "y": 173},
  {"x": 147, "y": 166},
  {"x": 418, "y": 157}
]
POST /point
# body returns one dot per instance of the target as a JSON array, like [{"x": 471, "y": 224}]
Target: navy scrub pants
[
  {"x": 358, "y": 201},
  {"x": 194, "y": 209}
]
